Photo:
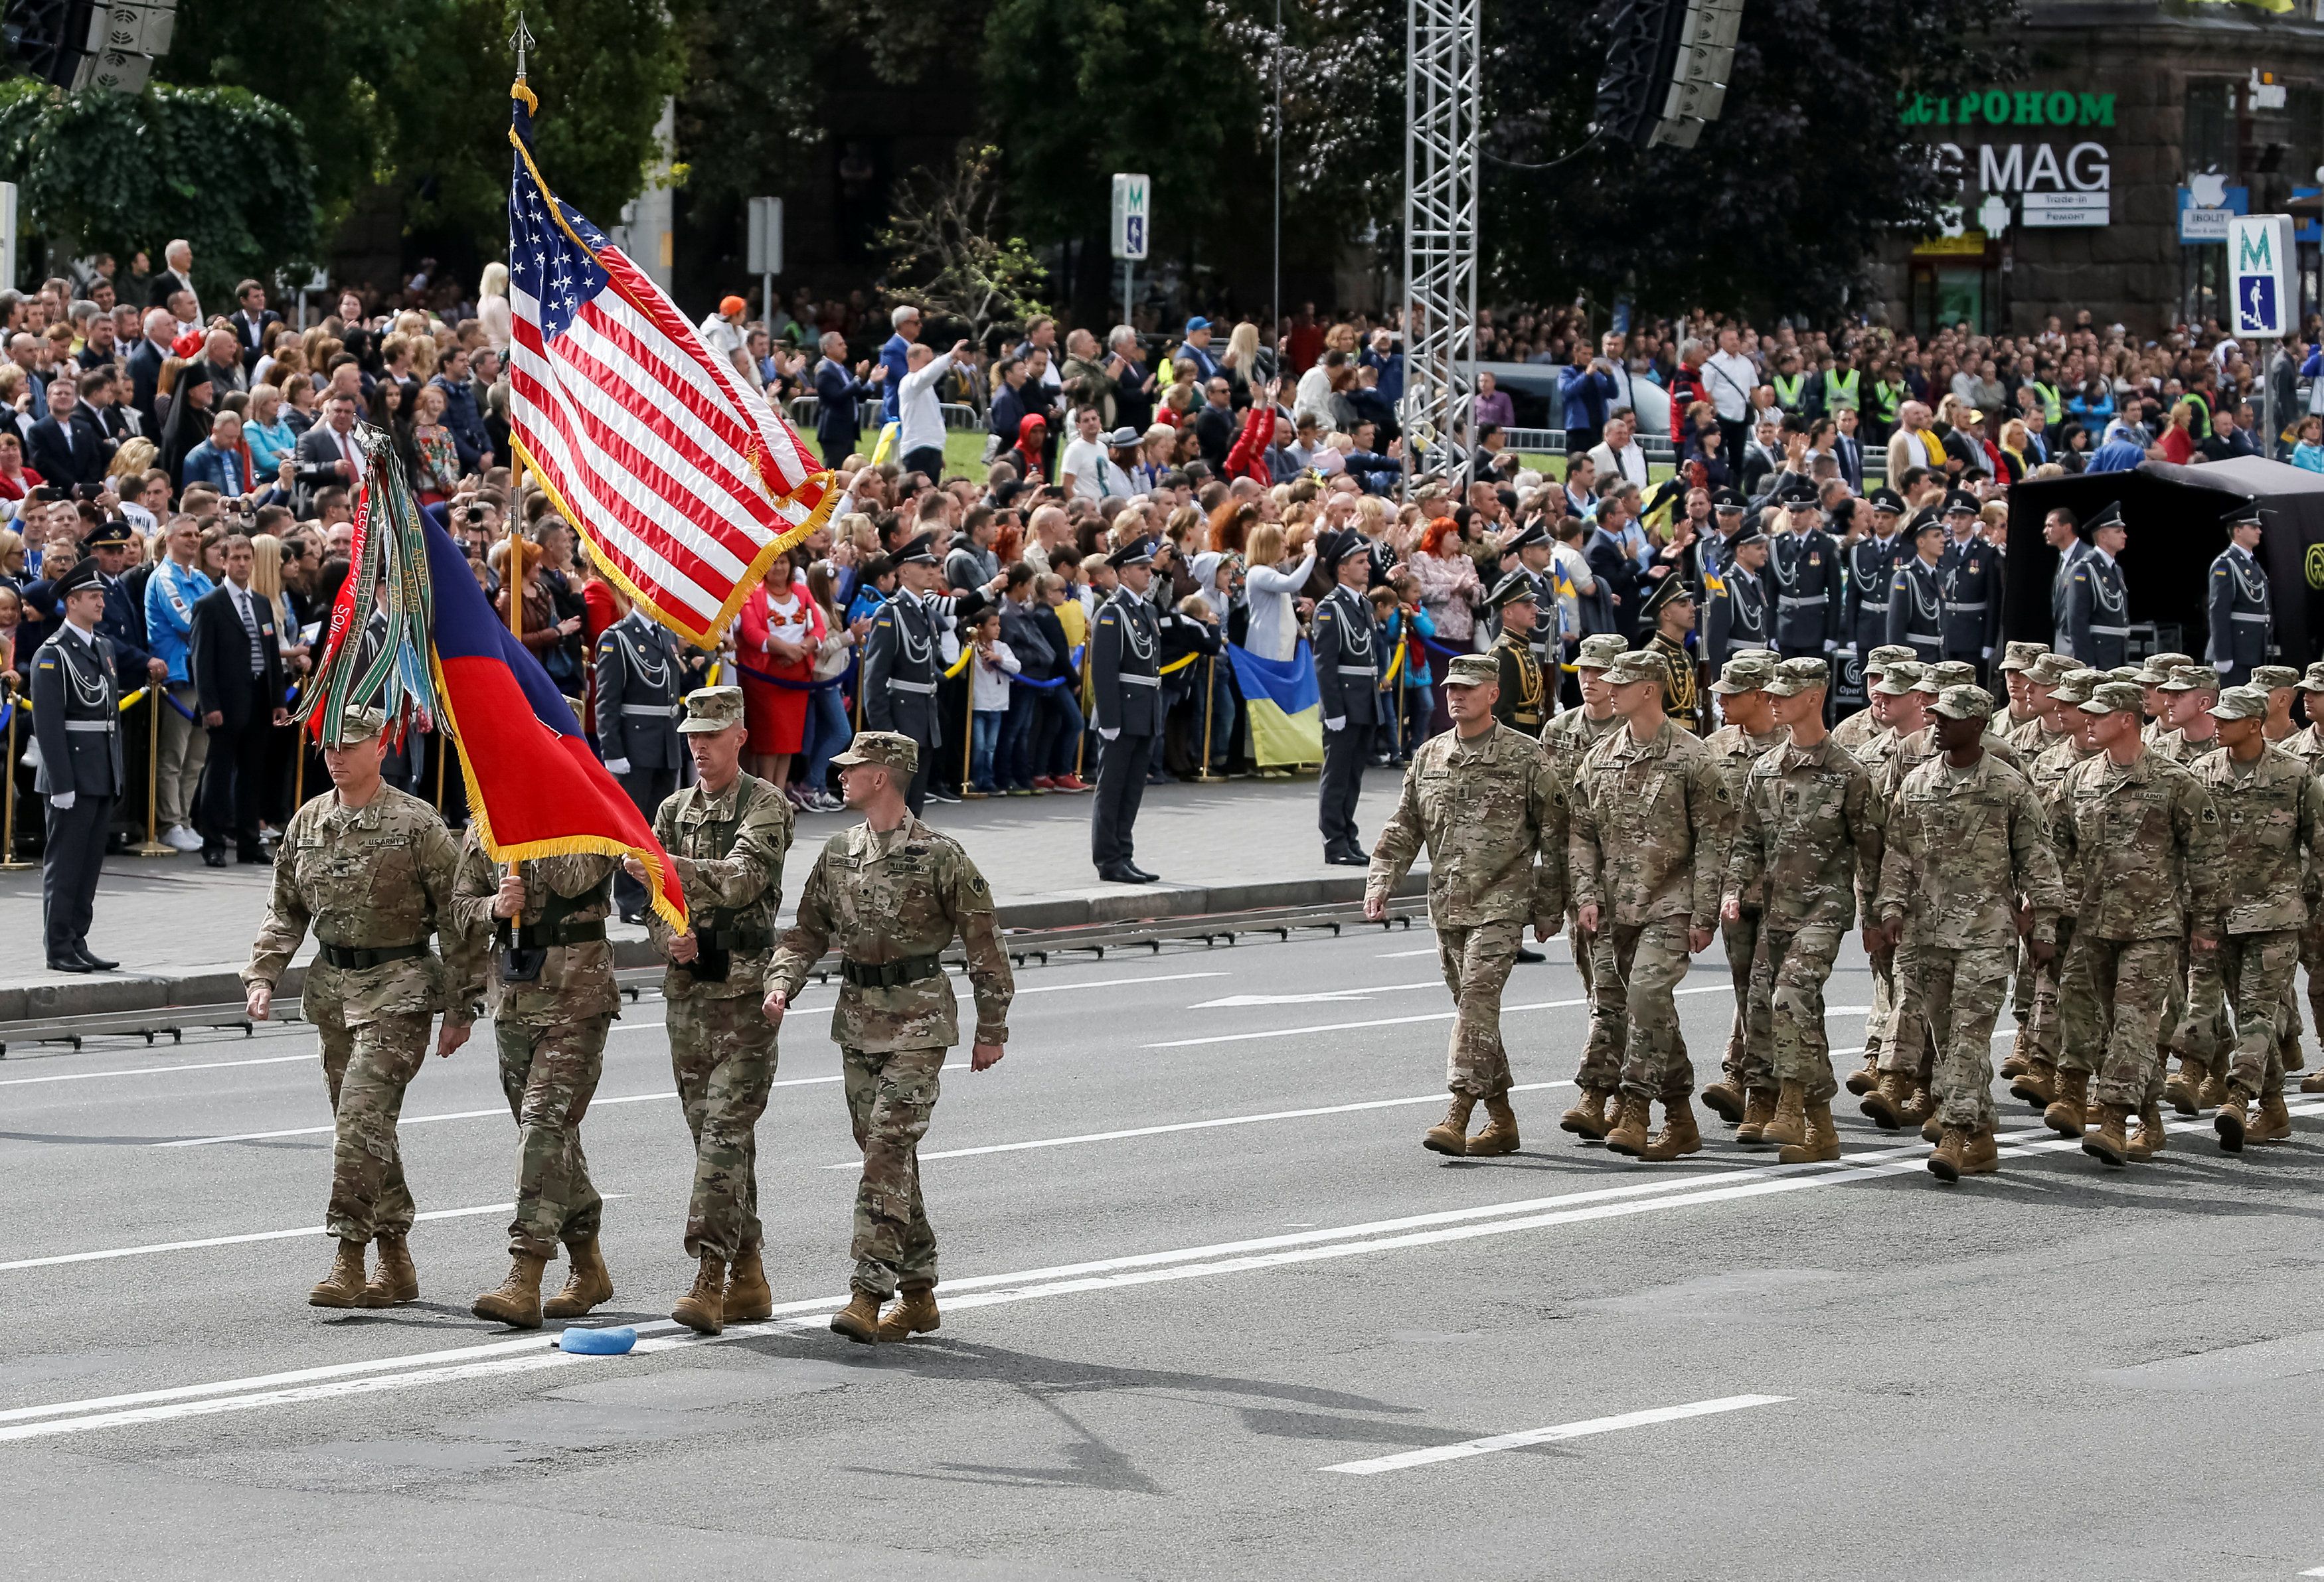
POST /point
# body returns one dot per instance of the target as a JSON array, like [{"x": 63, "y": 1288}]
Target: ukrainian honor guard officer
[
  {"x": 893, "y": 895},
  {"x": 548, "y": 975},
  {"x": 1738, "y": 616},
  {"x": 727, "y": 833},
  {"x": 1804, "y": 561},
  {"x": 1347, "y": 678},
  {"x": 640, "y": 677},
  {"x": 1484, "y": 800},
  {"x": 1872, "y": 571},
  {"x": 1970, "y": 573},
  {"x": 901, "y": 658},
  {"x": 2238, "y": 598},
  {"x": 1522, "y": 685},
  {"x": 2098, "y": 604},
  {"x": 370, "y": 870},
  {"x": 76, "y": 720},
  {"x": 1671, "y": 609},
  {"x": 1917, "y": 596},
  {"x": 1125, "y": 667}
]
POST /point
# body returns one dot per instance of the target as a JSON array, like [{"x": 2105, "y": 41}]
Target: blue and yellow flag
[{"x": 1285, "y": 707}]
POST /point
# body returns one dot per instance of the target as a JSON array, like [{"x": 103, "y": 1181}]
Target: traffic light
[
  {"x": 88, "y": 43},
  {"x": 1667, "y": 69}
]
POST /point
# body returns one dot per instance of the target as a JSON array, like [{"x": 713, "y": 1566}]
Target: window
[{"x": 2211, "y": 136}]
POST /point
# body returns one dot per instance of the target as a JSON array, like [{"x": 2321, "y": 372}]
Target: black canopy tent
[{"x": 2172, "y": 518}]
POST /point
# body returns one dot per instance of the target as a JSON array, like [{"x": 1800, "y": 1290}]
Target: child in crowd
[{"x": 989, "y": 675}]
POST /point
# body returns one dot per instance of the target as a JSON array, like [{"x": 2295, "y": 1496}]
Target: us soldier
[
  {"x": 726, "y": 834},
  {"x": 1738, "y": 616},
  {"x": 1749, "y": 732},
  {"x": 2098, "y": 604},
  {"x": 1125, "y": 667},
  {"x": 1804, "y": 562},
  {"x": 1671, "y": 607},
  {"x": 893, "y": 892},
  {"x": 2189, "y": 730},
  {"x": 1566, "y": 740},
  {"x": 1966, "y": 858},
  {"x": 1897, "y": 1093},
  {"x": 2142, "y": 836},
  {"x": 1485, "y": 800},
  {"x": 550, "y": 977},
  {"x": 1806, "y": 828},
  {"x": 76, "y": 702},
  {"x": 371, "y": 870},
  {"x": 2025, "y": 716},
  {"x": 1917, "y": 596},
  {"x": 640, "y": 677},
  {"x": 2037, "y": 1082},
  {"x": 2033, "y": 673},
  {"x": 1866, "y": 736},
  {"x": 2238, "y": 607},
  {"x": 1522, "y": 688},
  {"x": 1970, "y": 573},
  {"x": 2280, "y": 682},
  {"x": 1347, "y": 680},
  {"x": 1870, "y": 721},
  {"x": 2152, "y": 672},
  {"x": 2307, "y": 745},
  {"x": 2187, "y": 695},
  {"x": 1650, "y": 819},
  {"x": 2269, "y": 808}
]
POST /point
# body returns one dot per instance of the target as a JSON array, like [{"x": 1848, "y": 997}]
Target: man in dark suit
[
  {"x": 249, "y": 323},
  {"x": 327, "y": 454},
  {"x": 178, "y": 276},
  {"x": 75, "y": 717},
  {"x": 837, "y": 393},
  {"x": 65, "y": 447},
  {"x": 145, "y": 360},
  {"x": 238, "y": 665},
  {"x": 1848, "y": 450}
]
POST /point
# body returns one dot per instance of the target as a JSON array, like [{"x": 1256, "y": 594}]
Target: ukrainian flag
[{"x": 1285, "y": 710}]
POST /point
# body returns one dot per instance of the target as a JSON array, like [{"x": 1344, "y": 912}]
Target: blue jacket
[
  {"x": 2117, "y": 455},
  {"x": 169, "y": 623},
  {"x": 891, "y": 358},
  {"x": 1391, "y": 373},
  {"x": 222, "y": 470},
  {"x": 465, "y": 423},
  {"x": 1586, "y": 394}
]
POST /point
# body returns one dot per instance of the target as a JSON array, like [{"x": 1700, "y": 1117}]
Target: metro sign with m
[{"x": 2261, "y": 262}]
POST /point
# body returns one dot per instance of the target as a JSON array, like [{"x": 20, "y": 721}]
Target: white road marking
[
  {"x": 1115, "y": 982},
  {"x": 1192, "y": 1126},
  {"x": 209, "y": 1241},
  {"x": 1543, "y": 1005},
  {"x": 1552, "y": 1435},
  {"x": 1319, "y": 997},
  {"x": 311, "y": 1058}
]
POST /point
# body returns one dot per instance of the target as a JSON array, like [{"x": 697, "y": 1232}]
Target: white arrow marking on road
[
  {"x": 1552, "y": 1435},
  {"x": 1320, "y": 997}
]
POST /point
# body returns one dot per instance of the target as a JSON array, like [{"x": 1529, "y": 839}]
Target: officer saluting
[
  {"x": 640, "y": 677},
  {"x": 1970, "y": 572},
  {"x": 1738, "y": 616},
  {"x": 1917, "y": 596},
  {"x": 76, "y": 720},
  {"x": 1523, "y": 700},
  {"x": 2238, "y": 596},
  {"x": 1805, "y": 565},
  {"x": 2098, "y": 604},
  {"x": 1125, "y": 665},
  {"x": 901, "y": 662},
  {"x": 1347, "y": 678}
]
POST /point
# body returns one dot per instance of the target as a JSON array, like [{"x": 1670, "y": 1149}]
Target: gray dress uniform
[
  {"x": 1347, "y": 678},
  {"x": 1740, "y": 615},
  {"x": 2239, "y": 615},
  {"x": 76, "y": 720},
  {"x": 640, "y": 677},
  {"x": 1971, "y": 575},
  {"x": 1916, "y": 610},
  {"x": 1871, "y": 573},
  {"x": 1810, "y": 614},
  {"x": 901, "y": 664},
  {"x": 1125, "y": 663},
  {"x": 2097, "y": 611}
]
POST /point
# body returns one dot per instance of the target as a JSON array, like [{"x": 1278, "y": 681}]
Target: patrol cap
[
  {"x": 2074, "y": 686},
  {"x": 1638, "y": 665},
  {"x": 2048, "y": 669},
  {"x": 112, "y": 530},
  {"x": 1137, "y": 552},
  {"x": 2274, "y": 677},
  {"x": 1886, "y": 655},
  {"x": 1964, "y": 702},
  {"x": 1954, "y": 673},
  {"x": 1887, "y": 500},
  {"x": 919, "y": 551},
  {"x": 1596, "y": 653},
  {"x": 899, "y": 752},
  {"x": 2244, "y": 510},
  {"x": 1513, "y": 588},
  {"x": 1961, "y": 500},
  {"x": 2240, "y": 703},
  {"x": 2192, "y": 676},
  {"x": 360, "y": 723},
  {"x": 1726, "y": 500},
  {"x": 2113, "y": 697},
  {"x": 1471, "y": 670},
  {"x": 1901, "y": 677},
  {"x": 2109, "y": 516},
  {"x": 711, "y": 710},
  {"x": 1750, "y": 671},
  {"x": 2021, "y": 656},
  {"x": 2157, "y": 667},
  {"x": 1794, "y": 676},
  {"x": 82, "y": 574},
  {"x": 2313, "y": 681},
  {"x": 2131, "y": 673},
  {"x": 1672, "y": 590}
]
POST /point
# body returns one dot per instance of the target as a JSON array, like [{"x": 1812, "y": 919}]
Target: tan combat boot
[
  {"x": 588, "y": 1282},
  {"x": 859, "y": 1320},
  {"x": 1451, "y": 1135},
  {"x": 1822, "y": 1144},
  {"x": 748, "y": 1297},
  {"x": 2294, "y": 1059},
  {"x": 1500, "y": 1133},
  {"x": 703, "y": 1309},
  {"x": 2182, "y": 1089},
  {"x": 1758, "y": 1109},
  {"x": 1725, "y": 1100},
  {"x": 517, "y": 1303},
  {"x": 1981, "y": 1157},
  {"x": 2150, "y": 1138},
  {"x": 1677, "y": 1136},
  {"x": 2108, "y": 1144},
  {"x": 344, "y": 1285},
  {"x": 2273, "y": 1122},
  {"x": 2019, "y": 1059},
  {"x": 915, "y": 1313},
  {"x": 1588, "y": 1118},
  {"x": 1629, "y": 1132},
  {"x": 2037, "y": 1085},
  {"x": 2231, "y": 1121},
  {"x": 1953, "y": 1146},
  {"x": 1788, "y": 1126},
  {"x": 2312, "y": 1083},
  {"x": 395, "y": 1280},
  {"x": 1866, "y": 1077},
  {"x": 1886, "y": 1105},
  {"x": 2069, "y": 1113},
  {"x": 2214, "y": 1091}
]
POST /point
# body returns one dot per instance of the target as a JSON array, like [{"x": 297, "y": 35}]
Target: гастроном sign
[{"x": 2002, "y": 107}]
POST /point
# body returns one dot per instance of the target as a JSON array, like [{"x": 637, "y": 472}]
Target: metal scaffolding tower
[{"x": 1443, "y": 42}]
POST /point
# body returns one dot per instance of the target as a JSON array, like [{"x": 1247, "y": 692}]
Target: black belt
[
  {"x": 890, "y": 974},
  {"x": 726, "y": 939},
  {"x": 346, "y": 956},
  {"x": 539, "y": 936}
]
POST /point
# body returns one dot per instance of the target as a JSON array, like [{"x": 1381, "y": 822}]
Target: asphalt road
[{"x": 1210, "y": 1311}]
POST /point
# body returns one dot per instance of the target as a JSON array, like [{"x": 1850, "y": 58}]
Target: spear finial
[{"x": 520, "y": 41}]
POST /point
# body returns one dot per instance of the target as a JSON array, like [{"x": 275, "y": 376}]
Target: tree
[
  {"x": 948, "y": 254},
  {"x": 119, "y": 174}
]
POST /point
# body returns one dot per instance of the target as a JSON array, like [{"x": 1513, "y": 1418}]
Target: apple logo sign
[{"x": 2209, "y": 188}]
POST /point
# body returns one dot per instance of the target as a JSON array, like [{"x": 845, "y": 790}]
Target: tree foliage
[
  {"x": 220, "y": 167},
  {"x": 948, "y": 250}
]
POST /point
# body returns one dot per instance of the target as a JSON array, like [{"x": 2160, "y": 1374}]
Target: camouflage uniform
[
  {"x": 1569, "y": 735},
  {"x": 1734, "y": 750},
  {"x": 2307, "y": 745},
  {"x": 893, "y": 900},
  {"x": 1963, "y": 846},
  {"x": 728, "y": 850},
  {"x": 2043, "y": 1041},
  {"x": 1485, "y": 807},
  {"x": 1859, "y": 735},
  {"x": 372, "y": 878},
  {"x": 551, "y": 1027},
  {"x": 1650, "y": 821}
]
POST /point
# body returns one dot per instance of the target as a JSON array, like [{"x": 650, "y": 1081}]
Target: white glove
[
  {"x": 2223, "y": 666},
  {"x": 62, "y": 801},
  {"x": 1831, "y": 647},
  {"x": 617, "y": 766},
  {"x": 1336, "y": 725},
  {"x": 1987, "y": 654},
  {"x": 1105, "y": 735}
]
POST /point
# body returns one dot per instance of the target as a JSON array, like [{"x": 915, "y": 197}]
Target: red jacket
[{"x": 1248, "y": 459}]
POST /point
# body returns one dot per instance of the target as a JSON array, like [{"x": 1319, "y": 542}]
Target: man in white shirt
[
  {"x": 722, "y": 331},
  {"x": 1086, "y": 470},
  {"x": 1619, "y": 453},
  {"x": 920, "y": 411},
  {"x": 1730, "y": 377}
]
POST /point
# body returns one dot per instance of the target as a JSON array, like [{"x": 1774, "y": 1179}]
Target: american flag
[{"x": 682, "y": 479}]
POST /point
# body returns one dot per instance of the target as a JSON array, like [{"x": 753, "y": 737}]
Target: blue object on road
[{"x": 599, "y": 1342}]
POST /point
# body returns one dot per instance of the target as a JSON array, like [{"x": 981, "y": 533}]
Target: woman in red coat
[{"x": 777, "y": 636}]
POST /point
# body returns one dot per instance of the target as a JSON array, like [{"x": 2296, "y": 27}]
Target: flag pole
[{"x": 520, "y": 41}]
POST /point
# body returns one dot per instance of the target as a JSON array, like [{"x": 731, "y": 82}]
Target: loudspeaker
[
  {"x": 1667, "y": 69},
  {"x": 110, "y": 44}
]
